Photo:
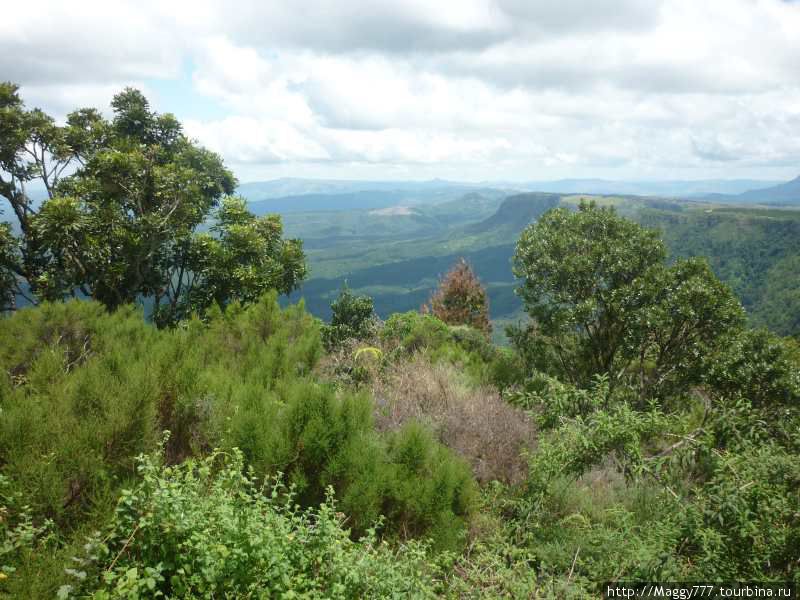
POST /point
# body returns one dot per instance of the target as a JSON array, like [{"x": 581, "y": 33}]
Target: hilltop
[{"x": 786, "y": 193}]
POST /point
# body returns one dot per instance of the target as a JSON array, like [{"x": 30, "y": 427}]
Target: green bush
[
  {"x": 320, "y": 439},
  {"x": 353, "y": 318},
  {"x": 430, "y": 490},
  {"x": 722, "y": 497},
  {"x": 506, "y": 369},
  {"x": 78, "y": 403},
  {"x": 205, "y": 529},
  {"x": 414, "y": 331},
  {"x": 551, "y": 401},
  {"x": 744, "y": 522},
  {"x": 85, "y": 392},
  {"x": 460, "y": 345}
]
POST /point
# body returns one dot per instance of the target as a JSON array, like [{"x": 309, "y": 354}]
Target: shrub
[
  {"x": 319, "y": 438},
  {"x": 461, "y": 299},
  {"x": 551, "y": 401},
  {"x": 404, "y": 334},
  {"x": 79, "y": 402},
  {"x": 205, "y": 529},
  {"x": 473, "y": 422},
  {"x": 353, "y": 318},
  {"x": 743, "y": 522},
  {"x": 85, "y": 392},
  {"x": 413, "y": 331},
  {"x": 586, "y": 441},
  {"x": 20, "y": 537}
]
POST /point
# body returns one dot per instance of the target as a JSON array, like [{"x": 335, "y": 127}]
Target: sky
[{"x": 471, "y": 90}]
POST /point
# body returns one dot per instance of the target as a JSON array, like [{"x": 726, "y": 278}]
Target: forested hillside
[
  {"x": 755, "y": 251},
  {"x": 636, "y": 427},
  {"x": 397, "y": 257}
]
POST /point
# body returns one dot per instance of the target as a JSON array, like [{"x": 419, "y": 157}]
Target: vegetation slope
[{"x": 637, "y": 427}]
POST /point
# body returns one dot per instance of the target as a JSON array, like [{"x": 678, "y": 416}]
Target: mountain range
[
  {"x": 291, "y": 194},
  {"x": 783, "y": 194}
]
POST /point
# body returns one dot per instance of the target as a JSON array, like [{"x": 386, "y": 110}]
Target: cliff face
[{"x": 517, "y": 211}]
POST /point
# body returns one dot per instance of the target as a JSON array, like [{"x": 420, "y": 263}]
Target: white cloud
[{"x": 474, "y": 89}]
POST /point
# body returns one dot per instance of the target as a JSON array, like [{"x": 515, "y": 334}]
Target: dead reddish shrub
[{"x": 461, "y": 299}]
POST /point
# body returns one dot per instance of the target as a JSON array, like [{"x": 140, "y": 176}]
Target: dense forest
[{"x": 169, "y": 429}]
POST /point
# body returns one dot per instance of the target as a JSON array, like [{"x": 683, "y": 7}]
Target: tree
[
  {"x": 125, "y": 200},
  {"x": 603, "y": 301},
  {"x": 8, "y": 266},
  {"x": 760, "y": 367},
  {"x": 461, "y": 299},
  {"x": 239, "y": 260}
]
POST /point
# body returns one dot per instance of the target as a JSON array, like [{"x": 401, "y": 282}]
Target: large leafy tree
[
  {"x": 604, "y": 302},
  {"x": 242, "y": 257},
  {"x": 125, "y": 200}
]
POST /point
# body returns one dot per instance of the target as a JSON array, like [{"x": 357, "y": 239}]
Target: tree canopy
[
  {"x": 126, "y": 199},
  {"x": 604, "y": 301}
]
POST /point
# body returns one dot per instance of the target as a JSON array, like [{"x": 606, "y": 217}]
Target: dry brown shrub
[{"x": 476, "y": 423}]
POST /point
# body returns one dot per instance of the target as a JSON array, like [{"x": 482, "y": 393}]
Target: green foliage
[
  {"x": 743, "y": 522},
  {"x": 320, "y": 440},
  {"x": 8, "y": 267},
  {"x": 432, "y": 490},
  {"x": 78, "y": 401},
  {"x": 206, "y": 529},
  {"x": 84, "y": 392},
  {"x": 123, "y": 224},
  {"x": 596, "y": 529},
  {"x": 20, "y": 537},
  {"x": 577, "y": 269},
  {"x": 353, "y": 319},
  {"x": 759, "y": 366},
  {"x": 718, "y": 501},
  {"x": 411, "y": 332},
  {"x": 496, "y": 565},
  {"x": 243, "y": 257},
  {"x": 414, "y": 331},
  {"x": 586, "y": 441},
  {"x": 552, "y": 401},
  {"x": 141, "y": 189},
  {"x": 754, "y": 250},
  {"x": 603, "y": 302},
  {"x": 684, "y": 314}
]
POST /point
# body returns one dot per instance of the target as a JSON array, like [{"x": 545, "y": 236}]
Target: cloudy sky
[{"x": 415, "y": 89}]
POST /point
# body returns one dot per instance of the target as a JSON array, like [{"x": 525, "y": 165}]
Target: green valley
[{"x": 397, "y": 254}]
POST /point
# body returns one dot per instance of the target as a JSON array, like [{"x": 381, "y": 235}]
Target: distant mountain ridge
[
  {"x": 374, "y": 199},
  {"x": 298, "y": 187},
  {"x": 666, "y": 188},
  {"x": 785, "y": 193},
  {"x": 295, "y": 186}
]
